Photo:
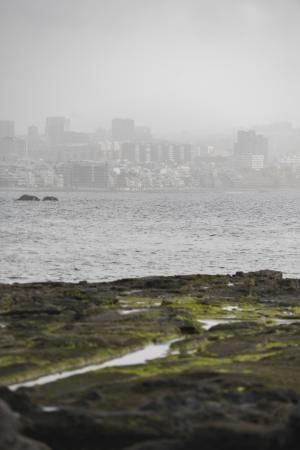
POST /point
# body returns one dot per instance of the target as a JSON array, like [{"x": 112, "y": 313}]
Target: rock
[
  {"x": 293, "y": 429},
  {"x": 158, "y": 444},
  {"x": 235, "y": 387},
  {"x": 227, "y": 436},
  {"x": 18, "y": 401},
  {"x": 188, "y": 328},
  {"x": 50, "y": 198},
  {"x": 76, "y": 429},
  {"x": 10, "y": 438},
  {"x": 27, "y": 197}
]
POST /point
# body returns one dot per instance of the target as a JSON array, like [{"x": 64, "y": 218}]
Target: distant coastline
[{"x": 175, "y": 190}]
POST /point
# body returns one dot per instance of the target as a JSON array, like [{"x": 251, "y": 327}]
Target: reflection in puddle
[
  {"x": 49, "y": 409},
  {"x": 151, "y": 352},
  {"x": 285, "y": 321},
  {"x": 210, "y": 323},
  {"x": 232, "y": 308},
  {"x": 126, "y": 312}
]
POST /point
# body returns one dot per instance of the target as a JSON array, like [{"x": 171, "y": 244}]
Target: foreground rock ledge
[{"x": 235, "y": 385}]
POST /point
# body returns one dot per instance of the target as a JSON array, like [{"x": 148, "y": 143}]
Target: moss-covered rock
[{"x": 232, "y": 384}]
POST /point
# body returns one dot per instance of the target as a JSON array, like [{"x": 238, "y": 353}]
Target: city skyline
[{"x": 41, "y": 127}]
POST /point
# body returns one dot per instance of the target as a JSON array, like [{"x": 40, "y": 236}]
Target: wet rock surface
[
  {"x": 234, "y": 385},
  {"x": 10, "y": 437}
]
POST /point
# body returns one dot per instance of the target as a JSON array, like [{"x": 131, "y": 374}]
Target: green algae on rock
[{"x": 225, "y": 386}]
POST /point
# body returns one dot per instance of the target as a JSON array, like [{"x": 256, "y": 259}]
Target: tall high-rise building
[
  {"x": 129, "y": 151},
  {"x": 7, "y": 140},
  {"x": 33, "y": 140},
  {"x": 32, "y": 133},
  {"x": 7, "y": 129},
  {"x": 283, "y": 139},
  {"x": 142, "y": 134},
  {"x": 123, "y": 130},
  {"x": 251, "y": 150},
  {"x": 55, "y": 129}
]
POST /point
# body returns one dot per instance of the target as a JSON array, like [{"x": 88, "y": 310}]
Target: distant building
[
  {"x": 188, "y": 152},
  {"x": 154, "y": 153},
  {"x": 283, "y": 139},
  {"x": 290, "y": 160},
  {"x": 101, "y": 135},
  {"x": 129, "y": 151},
  {"x": 178, "y": 153},
  {"x": 144, "y": 153},
  {"x": 55, "y": 129},
  {"x": 81, "y": 152},
  {"x": 11, "y": 148},
  {"x": 166, "y": 152},
  {"x": 7, "y": 129},
  {"x": 7, "y": 175},
  {"x": 182, "y": 153},
  {"x": 76, "y": 137},
  {"x": 33, "y": 141},
  {"x": 142, "y": 134},
  {"x": 251, "y": 161},
  {"x": 33, "y": 132},
  {"x": 123, "y": 130},
  {"x": 84, "y": 175},
  {"x": 251, "y": 150}
]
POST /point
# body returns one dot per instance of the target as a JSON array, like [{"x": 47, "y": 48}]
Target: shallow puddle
[
  {"x": 285, "y": 321},
  {"x": 126, "y": 312},
  {"x": 231, "y": 308},
  {"x": 49, "y": 409},
  {"x": 210, "y": 323},
  {"x": 151, "y": 352}
]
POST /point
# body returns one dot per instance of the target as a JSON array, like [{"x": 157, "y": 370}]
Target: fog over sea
[{"x": 101, "y": 236}]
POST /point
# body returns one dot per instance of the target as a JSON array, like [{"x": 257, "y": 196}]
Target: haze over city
[{"x": 194, "y": 65}]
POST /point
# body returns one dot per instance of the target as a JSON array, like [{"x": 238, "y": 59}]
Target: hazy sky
[{"x": 170, "y": 64}]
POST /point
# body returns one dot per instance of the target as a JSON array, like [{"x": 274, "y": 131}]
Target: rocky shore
[{"x": 230, "y": 380}]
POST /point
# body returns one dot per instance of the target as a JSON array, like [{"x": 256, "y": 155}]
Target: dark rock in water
[
  {"x": 50, "y": 198},
  {"x": 10, "y": 438},
  {"x": 28, "y": 197}
]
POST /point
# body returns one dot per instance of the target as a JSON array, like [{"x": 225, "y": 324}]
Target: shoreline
[
  {"x": 152, "y": 191},
  {"x": 20, "y": 282},
  {"x": 235, "y": 361}
]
